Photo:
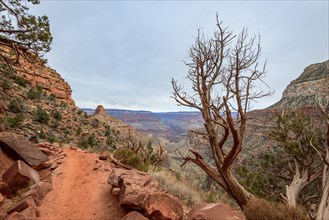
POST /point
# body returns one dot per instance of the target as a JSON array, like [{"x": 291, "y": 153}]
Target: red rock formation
[{"x": 20, "y": 175}]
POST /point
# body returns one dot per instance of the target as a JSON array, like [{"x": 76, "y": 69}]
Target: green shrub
[
  {"x": 52, "y": 97},
  {"x": 5, "y": 84},
  {"x": 15, "y": 106},
  {"x": 42, "y": 134},
  {"x": 54, "y": 124},
  {"x": 79, "y": 130},
  {"x": 57, "y": 115},
  {"x": 91, "y": 140},
  {"x": 41, "y": 116},
  {"x": 21, "y": 81},
  {"x": 129, "y": 157},
  {"x": 14, "y": 122},
  {"x": 51, "y": 137},
  {"x": 34, "y": 94},
  {"x": 80, "y": 112}
]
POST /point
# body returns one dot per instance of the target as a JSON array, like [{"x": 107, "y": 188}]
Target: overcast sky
[{"x": 123, "y": 54}]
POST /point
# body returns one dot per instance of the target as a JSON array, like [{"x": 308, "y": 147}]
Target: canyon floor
[{"x": 80, "y": 190}]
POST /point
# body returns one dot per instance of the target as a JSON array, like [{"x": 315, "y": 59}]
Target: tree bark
[{"x": 323, "y": 211}]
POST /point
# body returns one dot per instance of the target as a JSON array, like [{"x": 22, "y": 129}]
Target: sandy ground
[{"x": 79, "y": 192}]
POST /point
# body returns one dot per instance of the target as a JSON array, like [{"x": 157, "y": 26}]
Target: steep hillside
[
  {"x": 36, "y": 101},
  {"x": 309, "y": 88}
]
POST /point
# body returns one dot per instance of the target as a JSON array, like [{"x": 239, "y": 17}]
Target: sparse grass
[
  {"x": 263, "y": 210},
  {"x": 183, "y": 190}
]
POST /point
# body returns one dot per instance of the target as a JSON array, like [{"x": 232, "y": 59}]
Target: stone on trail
[
  {"x": 19, "y": 175},
  {"x": 19, "y": 148}
]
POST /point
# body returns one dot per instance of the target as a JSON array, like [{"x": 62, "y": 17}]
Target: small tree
[
  {"x": 293, "y": 134},
  {"x": 223, "y": 71},
  {"x": 25, "y": 34}
]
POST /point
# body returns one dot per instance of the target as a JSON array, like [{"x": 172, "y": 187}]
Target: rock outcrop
[
  {"x": 19, "y": 175},
  {"x": 19, "y": 148},
  {"x": 163, "y": 206},
  {"x": 138, "y": 191},
  {"x": 308, "y": 89}
]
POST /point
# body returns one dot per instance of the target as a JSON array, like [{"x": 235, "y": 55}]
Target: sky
[{"x": 123, "y": 54}]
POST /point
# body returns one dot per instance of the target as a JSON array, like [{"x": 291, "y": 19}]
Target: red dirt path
[{"x": 80, "y": 192}]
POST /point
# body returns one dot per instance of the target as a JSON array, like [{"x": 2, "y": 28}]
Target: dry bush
[
  {"x": 184, "y": 191},
  {"x": 260, "y": 209}
]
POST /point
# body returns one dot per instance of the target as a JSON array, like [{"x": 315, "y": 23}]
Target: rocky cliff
[
  {"x": 310, "y": 87},
  {"x": 35, "y": 101}
]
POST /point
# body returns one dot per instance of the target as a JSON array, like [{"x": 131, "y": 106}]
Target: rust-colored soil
[{"x": 80, "y": 192}]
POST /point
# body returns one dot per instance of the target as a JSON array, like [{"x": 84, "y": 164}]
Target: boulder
[
  {"x": 43, "y": 165},
  {"x": 38, "y": 191},
  {"x": 22, "y": 205},
  {"x": 30, "y": 213},
  {"x": 20, "y": 175},
  {"x": 163, "y": 206},
  {"x": 134, "y": 216},
  {"x": 114, "y": 177},
  {"x": 134, "y": 187},
  {"x": 213, "y": 211},
  {"x": 19, "y": 148}
]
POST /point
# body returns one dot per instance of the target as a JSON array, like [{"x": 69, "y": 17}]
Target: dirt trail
[{"x": 80, "y": 192}]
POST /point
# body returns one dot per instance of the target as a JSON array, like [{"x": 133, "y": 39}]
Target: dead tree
[{"x": 223, "y": 71}]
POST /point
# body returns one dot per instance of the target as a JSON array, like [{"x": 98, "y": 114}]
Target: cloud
[{"x": 124, "y": 54}]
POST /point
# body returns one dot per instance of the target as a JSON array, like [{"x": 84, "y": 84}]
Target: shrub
[
  {"x": 91, "y": 140},
  {"x": 80, "y": 112},
  {"x": 42, "y": 134},
  {"x": 260, "y": 209},
  {"x": 52, "y": 97},
  {"x": 34, "y": 94},
  {"x": 184, "y": 191},
  {"x": 57, "y": 115},
  {"x": 21, "y": 81},
  {"x": 83, "y": 143},
  {"x": 14, "y": 122},
  {"x": 5, "y": 84},
  {"x": 51, "y": 137},
  {"x": 129, "y": 157},
  {"x": 15, "y": 106},
  {"x": 79, "y": 130},
  {"x": 41, "y": 116}
]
